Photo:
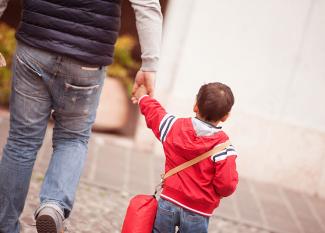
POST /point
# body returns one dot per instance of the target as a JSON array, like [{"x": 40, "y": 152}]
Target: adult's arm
[
  {"x": 3, "y": 6},
  {"x": 149, "y": 26}
]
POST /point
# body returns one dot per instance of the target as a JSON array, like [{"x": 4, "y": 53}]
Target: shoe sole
[{"x": 46, "y": 224}]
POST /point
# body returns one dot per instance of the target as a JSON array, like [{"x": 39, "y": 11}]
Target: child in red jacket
[{"x": 189, "y": 197}]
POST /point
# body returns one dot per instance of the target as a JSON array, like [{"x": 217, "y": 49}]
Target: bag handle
[{"x": 197, "y": 159}]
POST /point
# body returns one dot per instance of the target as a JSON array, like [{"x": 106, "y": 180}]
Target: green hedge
[{"x": 124, "y": 67}]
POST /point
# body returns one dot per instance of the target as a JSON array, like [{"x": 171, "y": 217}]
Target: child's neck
[{"x": 214, "y": 123}]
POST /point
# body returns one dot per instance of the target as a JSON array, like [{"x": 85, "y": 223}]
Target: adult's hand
[
  {"x": 2, "y": 61},
  {"x": 147, "y": 79}
]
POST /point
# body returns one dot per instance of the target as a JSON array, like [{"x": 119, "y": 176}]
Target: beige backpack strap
[{"x": 187, "y": 164}]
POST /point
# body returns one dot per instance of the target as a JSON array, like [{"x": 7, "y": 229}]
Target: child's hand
[
  {"x": 146, "y": 78},
  {"x": 141, "y": 91}
]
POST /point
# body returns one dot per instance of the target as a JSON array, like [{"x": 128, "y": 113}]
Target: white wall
[{"x": 272, "y": 54}]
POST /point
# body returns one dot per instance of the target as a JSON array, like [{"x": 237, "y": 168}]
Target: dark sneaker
[{"x": 49, "y": 220}]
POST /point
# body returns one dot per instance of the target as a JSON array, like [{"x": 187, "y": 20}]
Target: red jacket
[{"x": 198, "y": 188}]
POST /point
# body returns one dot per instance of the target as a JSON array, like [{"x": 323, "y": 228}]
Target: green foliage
[
  {"x": 7, "y": 48},
  {"x": 124, "y": 66}
]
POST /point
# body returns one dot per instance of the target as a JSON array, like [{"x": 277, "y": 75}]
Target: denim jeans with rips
[
  {"x": 45, "y": 84},
  {"x": 170, "y": 215}
]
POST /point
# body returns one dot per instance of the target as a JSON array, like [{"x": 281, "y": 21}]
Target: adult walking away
[{"x": 59, "y": 67}]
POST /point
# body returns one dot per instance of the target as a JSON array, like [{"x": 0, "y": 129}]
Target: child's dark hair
[{"x": 214, "y": 101}]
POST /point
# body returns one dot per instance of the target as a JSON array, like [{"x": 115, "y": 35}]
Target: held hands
[
  {"x": 144, "y": 84},
  {"x": 2, "y": 61},
  {"x": 141, "y": 91}
]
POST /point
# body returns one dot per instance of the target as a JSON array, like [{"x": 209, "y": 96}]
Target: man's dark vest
[{"x": 82, "y": 29}]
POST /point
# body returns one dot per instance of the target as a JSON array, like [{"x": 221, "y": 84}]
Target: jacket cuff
[
  {"x": 141, "y": 98},
  {"x": 149, "y": 64}
]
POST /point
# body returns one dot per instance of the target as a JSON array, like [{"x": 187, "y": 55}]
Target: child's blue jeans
[{"x": 170, "y": 215}]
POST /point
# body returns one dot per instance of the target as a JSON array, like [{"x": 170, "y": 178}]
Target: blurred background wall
[{"x": 272, "y": 54}]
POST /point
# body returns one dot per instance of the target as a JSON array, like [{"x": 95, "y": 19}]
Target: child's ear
[
  {"x": 225, "y": 117},
  {"x": 195, "y": 108}
]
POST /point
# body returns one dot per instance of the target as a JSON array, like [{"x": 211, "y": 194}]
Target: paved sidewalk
[{"x": 115, "y": 171}]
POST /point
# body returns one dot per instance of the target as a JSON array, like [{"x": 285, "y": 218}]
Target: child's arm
[
  {"x": 156, "y": 116},
  {"x": 226, "y": 176}
]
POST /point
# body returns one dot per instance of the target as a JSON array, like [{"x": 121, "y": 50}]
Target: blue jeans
[
  {"x": 43, "y": 84},
  {"x": 170, "y": 215}
]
